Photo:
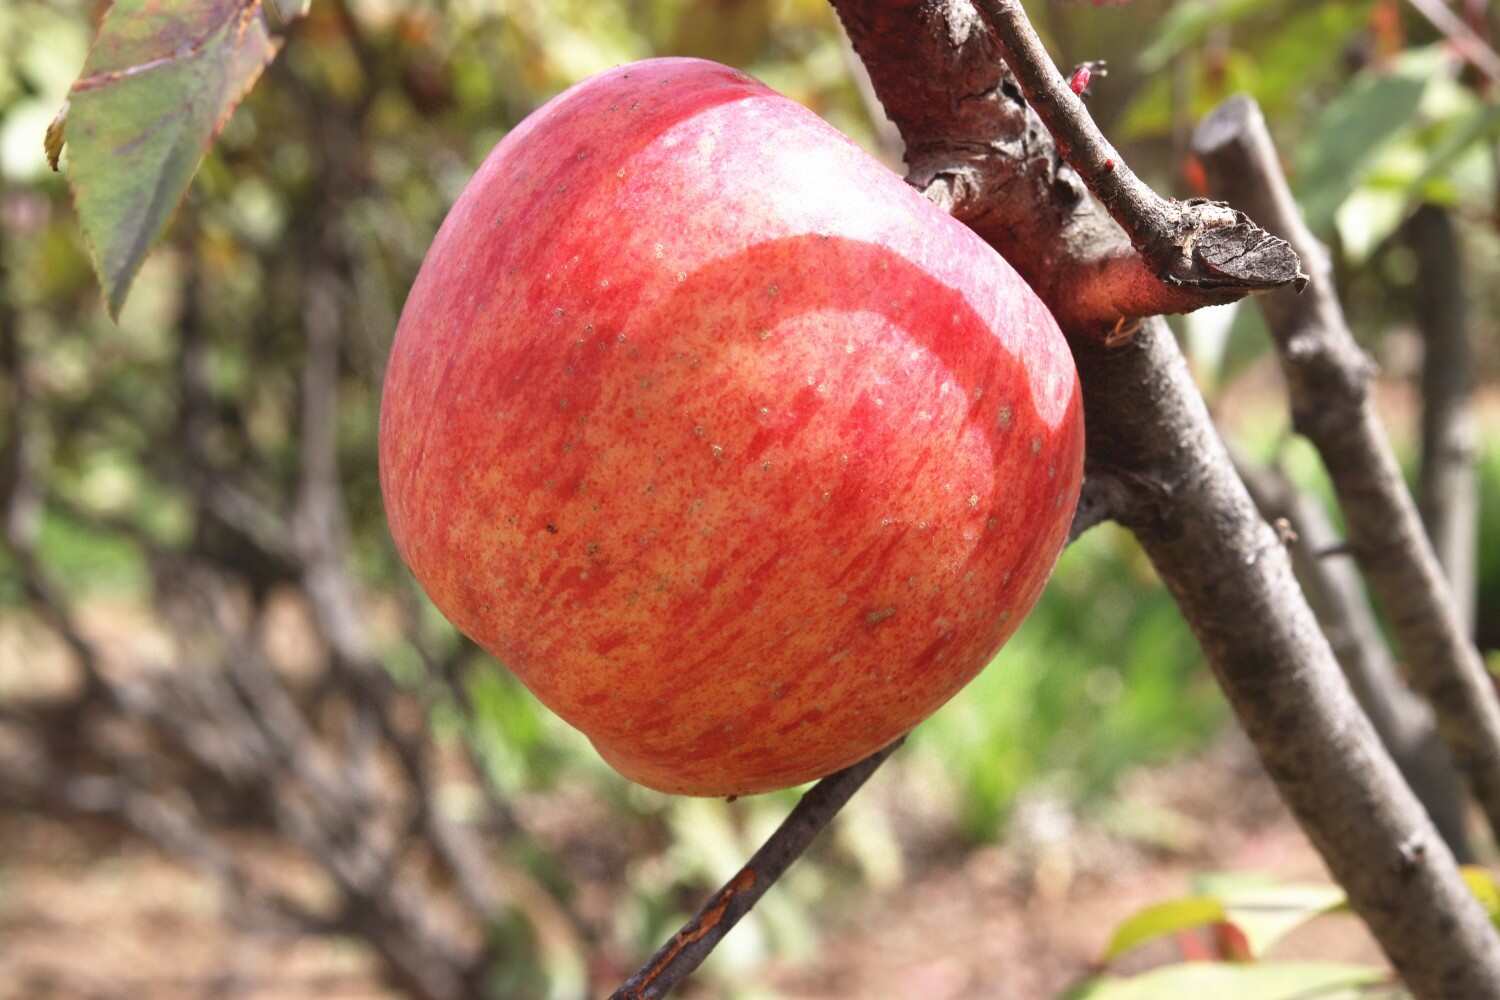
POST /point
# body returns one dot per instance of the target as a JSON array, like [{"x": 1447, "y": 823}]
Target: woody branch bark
[
  {"x": 1232, "y": 578},
  {"x": 1448, "y": 492},
  {"x": 1328, "y": 379},
  {"x": 1336, "y": 592},
  {"x": 1192, "y": 247},
  {"x": 977, "y": 146}
]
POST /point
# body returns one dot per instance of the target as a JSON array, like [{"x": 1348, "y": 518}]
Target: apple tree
[{"x": 1001, "y": 152}]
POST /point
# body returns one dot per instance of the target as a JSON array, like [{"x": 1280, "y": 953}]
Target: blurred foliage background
[{"x": 346, "y": 156}]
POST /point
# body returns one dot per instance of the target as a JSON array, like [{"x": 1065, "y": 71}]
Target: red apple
[{"x": 738, "y": 452}]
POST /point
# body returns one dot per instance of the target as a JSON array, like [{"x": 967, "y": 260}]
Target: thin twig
[
  {"x": 1328, "y": 379},
  {"x": 1470, "y": 44},
  {"x": 1146, "y": 217},
  {"x": 1194, "y": 243},
  {"x": 687, "y": 949},
  {"x": 976, "y": 148}
]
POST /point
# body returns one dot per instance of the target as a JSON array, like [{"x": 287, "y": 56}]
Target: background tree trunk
[{"x": 1448, "y": 494}]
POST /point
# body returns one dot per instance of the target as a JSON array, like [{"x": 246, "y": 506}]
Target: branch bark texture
[
  {"x": 1336, "y": 593},
  {"x": 1231, "y": 575},
  {"x": 976, "y": 147},
  {"x": 1328, "y": 380},
  {"x": 1193, "y": 244}
]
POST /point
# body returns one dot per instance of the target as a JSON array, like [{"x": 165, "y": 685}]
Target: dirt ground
[
  {"x": 1003, "y": 924},
  {"x": 85, "y": 913}
]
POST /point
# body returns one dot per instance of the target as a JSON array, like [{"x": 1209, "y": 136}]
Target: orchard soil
[{"x": 89, "y": 912}]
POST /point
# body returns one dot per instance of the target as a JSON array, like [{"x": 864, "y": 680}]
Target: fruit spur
[{"x": 739, "y": 453}]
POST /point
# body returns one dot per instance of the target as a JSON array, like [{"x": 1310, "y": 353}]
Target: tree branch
[
  {"x": 1105, "y": 497},
  {"x": 1194, "y": 244},
  {"x": 1328, "y": 380},
  {"x": 887, "y": 136},
  {"x": 1448, "y": 491},
  {"x": 1336, "y": 593},
  {"x": 1470, "y": 44},
  {"x": 1231, "y": 576},
  {"x": 687, "y": 949},
  {"x": 983, "y": 153},
  {"x": 975, "y": 146}
]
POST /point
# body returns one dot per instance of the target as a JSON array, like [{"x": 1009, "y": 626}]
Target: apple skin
[{"x": 738, "y": 452}]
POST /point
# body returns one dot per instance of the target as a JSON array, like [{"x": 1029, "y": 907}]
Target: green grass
[
  {"x": 1102, "y": 677},
  {"x": 82, "y": 561}
]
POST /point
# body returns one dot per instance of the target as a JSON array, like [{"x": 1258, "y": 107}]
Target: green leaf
[
  {"x": 1234, "y": 981},
  {"x": 1296, "y": 56},
  {"x": 1188, "y": 23},
  {"x": 1353, "y": 129},
  {"x": 1481, "y": 882},
  {"x": 1262, "y": 912},
  {"x": 159, "y": 83},
  {"x": 1480, "y": 124},
  {"x": 1162, "y": 919},
  {"x": 1266, "y": 914}
]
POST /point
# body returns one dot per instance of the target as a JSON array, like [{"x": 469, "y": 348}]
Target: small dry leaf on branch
[{"x": 52, "y": 142}]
